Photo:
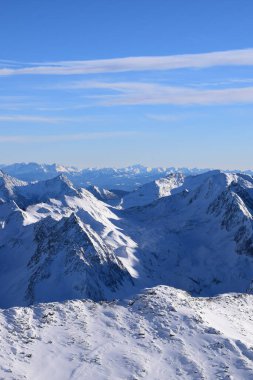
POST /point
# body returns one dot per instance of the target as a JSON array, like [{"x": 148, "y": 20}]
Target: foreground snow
[{"x": 162, "y": 333}]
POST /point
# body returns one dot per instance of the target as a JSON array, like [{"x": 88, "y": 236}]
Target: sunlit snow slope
[{"x": 163, "y": 334}]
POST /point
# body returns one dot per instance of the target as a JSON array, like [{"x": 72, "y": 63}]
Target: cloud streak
[
  {"x": 24, "y": 139},
  {"x": 184, "y": 96},
  {"x": 30, "y": 119},
  {"x": 243, "y": 57},
  {"x": 138, "y": 93},
  {"x": 46, "y": 119}
]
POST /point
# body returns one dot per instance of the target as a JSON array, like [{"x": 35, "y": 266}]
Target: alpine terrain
[{"x": 125, "y": 274}]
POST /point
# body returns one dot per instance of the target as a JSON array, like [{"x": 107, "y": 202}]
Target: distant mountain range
[{"x": 128, "y": 178}]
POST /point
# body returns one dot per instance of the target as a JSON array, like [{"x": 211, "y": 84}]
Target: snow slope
[
  {"x": 112, "y": 197},
  {"x": 160, "y": 334},
  {"x": 152, "y": 191}
]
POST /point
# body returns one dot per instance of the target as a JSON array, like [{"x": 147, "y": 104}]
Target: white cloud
[
  {"x": 203, "y": 60},
  {"x": 138, "y": 93},
  {"x": 185, "y": 96}
]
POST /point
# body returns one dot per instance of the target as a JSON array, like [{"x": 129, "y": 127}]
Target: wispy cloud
[
  {"x": 227, "y": 82},
  {"x": 24, "y": 139},
  {"x": 185, "y": 96},
  {"x": 30, "y": 119},
  {"x": 137, "y": 93},
  {"x": 45, "y": 119},
  {"x": 154, "y": 63}
]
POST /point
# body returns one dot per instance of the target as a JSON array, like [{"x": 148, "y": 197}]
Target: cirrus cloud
[
  {"x": 139, "y": 93},
  {"x": 242, "y": 57}
]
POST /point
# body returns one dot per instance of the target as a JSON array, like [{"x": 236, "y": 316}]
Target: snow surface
[{"x": 162, "y": 333}]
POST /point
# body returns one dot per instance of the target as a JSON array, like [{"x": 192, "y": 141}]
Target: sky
[{"x": 95, "y": 83}]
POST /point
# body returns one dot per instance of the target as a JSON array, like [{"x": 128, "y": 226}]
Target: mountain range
[
  {"x": 184, "y": 236},
  {"x": 191, "y": 232},
  {"x": 128, "y": 178}
]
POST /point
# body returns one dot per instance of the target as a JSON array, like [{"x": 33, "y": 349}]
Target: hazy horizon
[{"x": 80, "y": 167}]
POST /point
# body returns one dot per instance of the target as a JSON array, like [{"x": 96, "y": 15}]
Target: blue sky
[{"x": 118, "y": 82}]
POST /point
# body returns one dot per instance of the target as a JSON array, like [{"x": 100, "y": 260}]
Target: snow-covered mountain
[
  {"x": 54, "y": 245},
  {"x": 199, "y": 239},
  {"x": 152, "y": 191},
  {"x": 36, "y": 172},
  {"x": 193, "y": 233},
  {"x": 60, "y": 242},
  {"x": 129, "y": 178},
  {"x": 8, "y": 185}
]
